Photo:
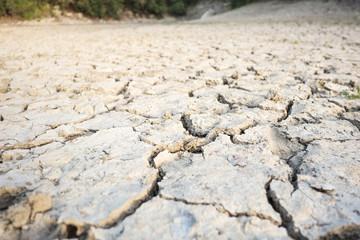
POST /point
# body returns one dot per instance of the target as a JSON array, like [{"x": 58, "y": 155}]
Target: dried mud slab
[
  {"x": 178, "y": 220},
  {"x": 231, "y": 127},
  {"x": 212, "y": 179},
  {"x": 326, "y": 194}
]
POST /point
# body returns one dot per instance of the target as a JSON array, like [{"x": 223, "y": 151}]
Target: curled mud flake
[
  {"x": 235, "y": 75},
  {"x": 273, "y": 96},
  {"x": 167, "y": 115},
  {"x": 323, "y": 187},
  {"x": 237, "y": 160}
]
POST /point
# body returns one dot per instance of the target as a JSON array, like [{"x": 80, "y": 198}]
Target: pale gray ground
[{"x": 223, "y": 129}]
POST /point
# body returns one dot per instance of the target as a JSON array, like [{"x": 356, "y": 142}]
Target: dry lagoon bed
[{"x": 232, "y": 129}]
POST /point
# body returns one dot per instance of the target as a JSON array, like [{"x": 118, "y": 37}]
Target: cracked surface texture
[{"x": 234, "y": 127}]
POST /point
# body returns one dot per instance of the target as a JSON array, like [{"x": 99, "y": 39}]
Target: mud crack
[
  {"x": 221, "y": 209},
  {"x": 221, "y": 99},
  {"x": 286, "y": 218},
  {"x": 287, "y": 111},
  {"x": 28, "y": 145},
  {"x": 294, "y": 163},
  {"x": 124, "y": 90},
  {"x": 80, "y": 230}
]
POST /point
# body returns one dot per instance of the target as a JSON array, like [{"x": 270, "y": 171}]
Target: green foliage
[
  {"x": 177, "y": 7},
  {"x": 136, "y": 6},
  {"x": 156, "y": 7},
  {"x": 26, "y": 9},
  {"x": 29, "y": 9},
  {"x": 2, "y": 7},
  {"x": 239, "y": 3},
  {"x": 98, "y": 8},
  {"x": 353, "y": 96},
  {"x": 63, "y": 4}
]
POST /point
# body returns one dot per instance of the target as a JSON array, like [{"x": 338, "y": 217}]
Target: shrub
[
  {"x": 239, "y": 3},
  {"x": 136, "y": 6},
  {"x": 177, "y": 7},
  {"x": 2, "y": 7},
  {"x": 112, "y": 8},
  {"x": 353, "y": 96},
  {"x": 63, "y": 4},
  {"x": 156, "y": 7},
  {"x": 96, "y": 8},
  {"x": 26, "y": 9}
]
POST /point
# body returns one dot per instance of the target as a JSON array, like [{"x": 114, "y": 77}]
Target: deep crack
[
  {"x": 221, "y": 99},
  {"x": 248, "y": 214},
  {"x": 287, "y": 111},
  {"x": 286, "y": 218},
  {"x": 124, "y": 90},
  {"x": 186, "y": 201},
  {"x": 221, "y": 209}
]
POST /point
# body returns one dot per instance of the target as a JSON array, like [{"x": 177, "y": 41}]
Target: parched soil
[{"x": 244, "y": 125}]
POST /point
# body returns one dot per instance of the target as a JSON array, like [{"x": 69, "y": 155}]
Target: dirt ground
[{"x": 243, "y": 125}]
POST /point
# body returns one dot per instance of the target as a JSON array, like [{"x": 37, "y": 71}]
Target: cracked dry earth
[{"x": 185, "y": 131}]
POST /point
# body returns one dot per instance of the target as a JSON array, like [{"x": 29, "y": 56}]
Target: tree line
[{"x": 30, "y": 9}]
